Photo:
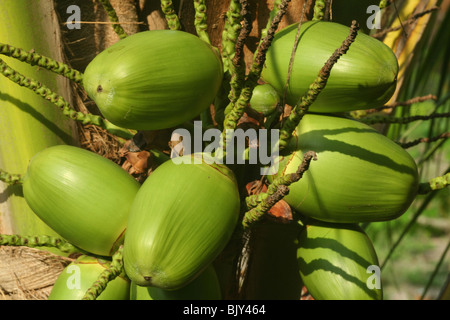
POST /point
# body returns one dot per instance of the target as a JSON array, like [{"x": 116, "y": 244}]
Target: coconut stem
[
  {"x": 33, "y": 59},
  {"x": 276, "y": 8},
  {"x": 113, "y": 271},
  {"x": 200, "y": 20},
  {"x": 237, "y": 63},
  {"x": 319, "y": 8},
  {"x": 230, "y": 34},
  {"x": 171, "y": 17},
  {"x": 315, "y": 88},
  {"x": 60, "y": 102},
  {"x": 413, "y": 143},
  {"x": 261, "y": 203},
  {"x": 113, "y": 18},
  {"x": 437, "y": 183},
  {"x": 410, "y": 101},
  {"x": 251, "y": 81},
  {"x": 292, "y": 58},
  {"x": 10, "y": 178},
  {"x": 402, "y": 120},
  {"x": 38, "y": 241},
  {"x": 384, "y": 3},
  {"x": 360, "y": 114}
]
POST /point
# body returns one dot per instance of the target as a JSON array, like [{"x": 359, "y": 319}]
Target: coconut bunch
[{"x": 162, "y": 238}]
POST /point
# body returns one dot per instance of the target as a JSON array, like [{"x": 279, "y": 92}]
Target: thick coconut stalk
[{"x": 28, "y": 123}]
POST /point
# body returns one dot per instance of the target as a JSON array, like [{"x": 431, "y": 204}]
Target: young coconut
[
  {"x": 78, "y": 277},
  {"x": 338, "y": 262},
  {"x": 81, "y": 195},
  {"x": 154, "y": 79},
  {"x": 360, "y": 176},
  {"x": 181, "y": 219},
  {"x": 264, "y": 99},
  {"x": 363, "y": 78}
]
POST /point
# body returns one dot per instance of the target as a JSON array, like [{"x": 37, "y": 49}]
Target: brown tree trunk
[{"x": 85, "y": 43}]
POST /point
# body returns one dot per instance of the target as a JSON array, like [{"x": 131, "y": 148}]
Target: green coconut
[
  {"x": 339, "y": 262},
  {"x": 154, "y": 79},
  {"x": 80, "y": 275},
  {"x": 364, "y": 77},
  {"x": 181, "y": 219},
  {"x": 360, "y": 175},
  {"x": 81, "y": 195}
]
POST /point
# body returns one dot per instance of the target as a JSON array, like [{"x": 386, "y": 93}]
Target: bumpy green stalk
[
  {"x": 233, "y": 65},
  {"x": 275, "y": 192},
  {"x": 60, "y": 102},
  {"x": 230, "y": 34},
  {"x": 384, "y": 3},
  {"x": 360, "y": 114},
  {"x": 37, "y": 241},
  {"x": 276, "y": 8},
  {"x": 437, "y": 183},
  {"x": 200, "y": 20},
  {"x": 113, "y": 18},
  {"x": 254, "y": 74},
  {"x": 171, "y": 16},
  {"x": 109, "y": 274},
  {"x": 236, "y": 30},
  {"x": 291, "y": 61},
  {"x": 315, "y": 88},
  {"x": 10, "y": 178},
  {"x": 440, "y": 182},
  {"x": 319, "y": 8},
  {"x": 33, "y": 59},
  {"x": 256, "y": 68},
  {"x": 410, "y": 102},
  {"x": 237, "y": 63}
]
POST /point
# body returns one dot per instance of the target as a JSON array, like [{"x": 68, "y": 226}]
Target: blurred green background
[{"x": 416, "y": 244}]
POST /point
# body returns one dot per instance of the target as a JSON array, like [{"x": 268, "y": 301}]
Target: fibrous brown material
[{"x": 27, "y": 273}]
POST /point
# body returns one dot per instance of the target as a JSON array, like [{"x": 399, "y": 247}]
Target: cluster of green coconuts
[{"x": 176, "y": 223}]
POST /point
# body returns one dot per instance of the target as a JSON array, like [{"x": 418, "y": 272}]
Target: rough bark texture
[
  {"x": 83, "y": 44},
  {"x": 28, "y": 274}
]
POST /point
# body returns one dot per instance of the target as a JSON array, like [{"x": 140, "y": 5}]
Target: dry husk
[{"x": 28, "y": 273}]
